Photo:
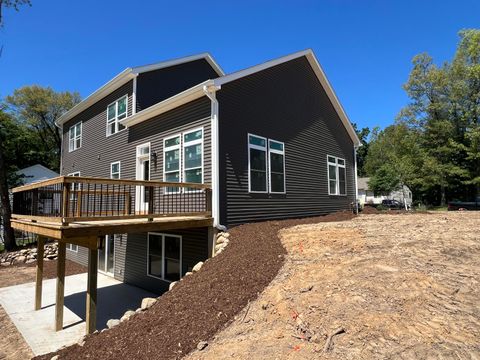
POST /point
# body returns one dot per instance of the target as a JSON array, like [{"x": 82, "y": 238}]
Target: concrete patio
[{"x": 37, "y": 327}]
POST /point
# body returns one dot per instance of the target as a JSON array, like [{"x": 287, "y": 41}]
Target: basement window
[
  {"x": 337, "y": 177},
  {"x": 164, "y": 254}
]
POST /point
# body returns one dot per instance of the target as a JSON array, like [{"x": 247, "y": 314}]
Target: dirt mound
[
  {"x": 369, "y": 210},
  {"x": 203, "y": 303}
]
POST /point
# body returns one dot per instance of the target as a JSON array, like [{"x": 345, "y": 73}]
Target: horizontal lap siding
[
  {"x": 194, "y": 249},
  {"x": 98, "y": 151},
  {"x": 288, "y": 104},
  {"x": 80, "y": 256}
]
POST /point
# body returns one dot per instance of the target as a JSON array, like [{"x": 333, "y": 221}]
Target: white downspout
[
  {"x": 210, "y": 91},
  {"x": 355, "y": 147}
]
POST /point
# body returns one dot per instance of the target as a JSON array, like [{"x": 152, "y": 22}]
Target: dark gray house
[{"x": 272, "y": 141}]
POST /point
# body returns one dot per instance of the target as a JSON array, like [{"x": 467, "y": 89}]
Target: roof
[
  {"x": 362, "y": 183},
  {"x": 198, "y": 91},
  {"x": 127, "y": 75},
  {"x": 36, "y": 173}
]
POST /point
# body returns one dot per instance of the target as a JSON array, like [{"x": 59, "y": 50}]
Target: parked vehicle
[
  {"x": 393, "y": 204},
  {"x": 464, "y": 205}
]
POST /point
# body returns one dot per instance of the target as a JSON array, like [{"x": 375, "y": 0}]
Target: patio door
[
  {"x": 142, "y": 173},
  {"x": 106, "y": 254}
]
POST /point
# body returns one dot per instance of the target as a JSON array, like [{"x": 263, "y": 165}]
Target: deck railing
[{"x": 72, "y": 199}]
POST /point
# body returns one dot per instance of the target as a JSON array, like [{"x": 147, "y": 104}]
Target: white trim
[
  {"x": 116, "y": 120},
  {"x": 127, "y": 75},
  {"x": 173, "y": 102},
  {"x": 275, "y": 151},
  {"x": 140, "y": 205},
  {"x": 356, "y": 177},
  {"x": 170, "y": 148},
  {"x": 337, "y": 175},
  {"x": 134, "y": 97},
  {"x": 119, "y": 169},
  {"x": 257, "y": 147},
  {"x": 178, "y": 61},
  {"x": 69, "y": 247},
  {"x": 190, "y": 143},
  {"x": 318, "y": 72},
  {"x": 163, "y": 254},
  {"x": 75, "y": 136}
]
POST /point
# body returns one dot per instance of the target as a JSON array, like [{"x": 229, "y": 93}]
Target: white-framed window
[
  {"x": 193, "y": 156},
  {"x": 72, "y": 247},
  {"x": 75, "y": 137},
  {"x": 171, "y": 160},
  {"x": 164, "y": 256},
  {"x": 257, "y": 164},
  {"x": 337, "y": 176},
  {"x": 276, "y": 166},
  {"x": 116, "y": 111},
  {"x": 115, "y": 170}
]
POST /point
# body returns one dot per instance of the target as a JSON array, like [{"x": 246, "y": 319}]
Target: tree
[
  {"x": 15, "y": 4},
  {"x": 362, "y": 151},
  {"x": 37, "y": 108}
]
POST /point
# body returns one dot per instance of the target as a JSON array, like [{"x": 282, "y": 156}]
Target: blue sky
[{"x": 365, "y": 47}]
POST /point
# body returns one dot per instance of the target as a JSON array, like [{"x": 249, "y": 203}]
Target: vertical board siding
[
  {"x": 194, "y": 249},
  {"x": 285, "y": 103},
  {"x": 158, "y": 85}
]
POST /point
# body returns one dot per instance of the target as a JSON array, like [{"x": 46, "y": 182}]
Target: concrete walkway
[{"x": 37, "y": 327}]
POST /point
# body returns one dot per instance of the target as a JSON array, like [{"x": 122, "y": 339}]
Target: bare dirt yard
[
  {"x": 12, "y": 344},
  {"x": 376, "y": 287}
]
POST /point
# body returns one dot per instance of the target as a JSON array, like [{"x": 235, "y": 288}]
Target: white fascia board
[
  {"x": 165, "y": 64},
  {"x": 184, "y": 97},
  {"x": 320, "y": 75},
  {"x": 119, "y": 80}
]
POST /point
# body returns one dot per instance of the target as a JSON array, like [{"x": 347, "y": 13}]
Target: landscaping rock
[
  {"x": 147, "y": 302},
  {"x": 197, "y": 267},
  {"x": 188, "y": 273},
  {"x": 128, "y": 314},
  {"x": 202, "y": 345},
  {"x": 54, "y": 357},
  {"x": 112, "y": 322},
  {"x": 172, "y": 285}
]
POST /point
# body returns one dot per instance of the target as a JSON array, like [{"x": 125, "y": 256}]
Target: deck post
[
  {"x": 212, "y": 239},
  {"x": 62, "y": 246},
  {"x": 91, "y": 305},
  {"x": 39, "y": 277}
]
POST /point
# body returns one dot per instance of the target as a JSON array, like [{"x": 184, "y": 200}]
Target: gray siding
[
  {"x": 80, "y": 256},
  {"x": 194, "y": 249},
  {"x": 288, "y": 104},
  {"x": 98, "y": 152},
  {"x": 158, "y": 85}
]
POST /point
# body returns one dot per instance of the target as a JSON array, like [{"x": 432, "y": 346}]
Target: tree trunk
[
  {"x": 443, "y": 200},
  {"x": 5, "y": 208}
]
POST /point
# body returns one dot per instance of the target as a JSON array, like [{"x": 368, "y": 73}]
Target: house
[
  {"x": 367, "y": 196},
  {"x": 162, "y": 156}
]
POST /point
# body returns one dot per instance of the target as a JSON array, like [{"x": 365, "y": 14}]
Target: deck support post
[
  {"x": 91, "y": 305},
  {"x": 212, "y": 239},
  {"x": 39, "y": 276},
  {"x": 62, "y": 246}
]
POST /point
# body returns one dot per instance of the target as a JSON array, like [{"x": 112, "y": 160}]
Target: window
[
  {"x": 72, "y": 247},
  {"x": 75, "y": 137},
  {"x": 116, "y": 112},
  {"x": 115, "y": 170},
  {"x": 164, "y": 256},
  {"x": 257, "y": 163},
  {"x": 74, "y": 188},
  {"x": 276, "y": 155},
  {"x": 337, "y": 178},
  {"x": 171, "y": 161},
  {"x": 193, "y": 156}
]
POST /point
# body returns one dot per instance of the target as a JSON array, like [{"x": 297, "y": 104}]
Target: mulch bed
[{"x": 203, "y": 303}]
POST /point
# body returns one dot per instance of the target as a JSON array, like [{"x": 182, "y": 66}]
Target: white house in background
[
  {"x": 36, "y": 173},
  {"x": 366, "y": 195}
]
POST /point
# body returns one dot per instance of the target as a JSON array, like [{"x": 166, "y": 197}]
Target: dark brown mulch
[
  {"x": 201, "y": 304},
  {"x": 369, "y": 210},
  {"x": 24, "y": 273}
]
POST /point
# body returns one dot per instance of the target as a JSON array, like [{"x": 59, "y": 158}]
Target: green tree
[
  {"x": 37, "y": 108},
  {"x": 362, "y": 151}
]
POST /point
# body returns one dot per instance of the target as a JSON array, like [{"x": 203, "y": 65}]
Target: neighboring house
[
  {"x": 272, "y": 141},
  {"x": 30, "y": 175},
  {"x": 367, "y": 196}
]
